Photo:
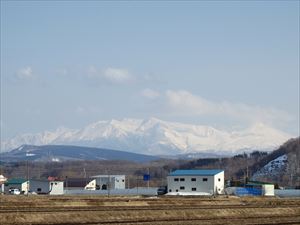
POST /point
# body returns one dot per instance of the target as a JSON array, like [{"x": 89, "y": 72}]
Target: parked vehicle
[
  {"x": 162, "y": 190},
  {"x": 14, "y": 191}
]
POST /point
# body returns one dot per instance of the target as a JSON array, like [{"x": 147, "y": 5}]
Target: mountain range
[{"x": 157, "y": 137}]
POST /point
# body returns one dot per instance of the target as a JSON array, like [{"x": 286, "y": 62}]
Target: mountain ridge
[
  {"x": 157, "y": 137},
  {"x": 58, "y": 153}
]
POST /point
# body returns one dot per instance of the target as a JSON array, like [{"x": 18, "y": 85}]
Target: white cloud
[
  {"x": 149, "y": 93},
  {"x": 187, "y": 104},
  {"x": 25, "y": 73},
  {"x": 116, "y": 75},
  {"x": 111, "y": 75}
]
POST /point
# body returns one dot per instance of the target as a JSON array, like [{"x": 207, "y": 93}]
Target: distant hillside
[
  {"x": 57, "y": 153},
  {"x": 280, "y": 166}
]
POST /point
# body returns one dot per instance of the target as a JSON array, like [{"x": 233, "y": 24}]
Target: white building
[
  {"x": 104, "y": 182},
  {"x": 46, "y": 187},
  {"x": 196, "y": 182}
]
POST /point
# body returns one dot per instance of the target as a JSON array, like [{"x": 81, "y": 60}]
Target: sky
[{"x": 227, "y": 64}]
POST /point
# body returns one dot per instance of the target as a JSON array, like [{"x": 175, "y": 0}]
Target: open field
[{"x": 141, "y": 210}]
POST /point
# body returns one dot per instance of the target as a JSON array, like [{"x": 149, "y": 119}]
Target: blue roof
[{"x": 195, "y": 172}]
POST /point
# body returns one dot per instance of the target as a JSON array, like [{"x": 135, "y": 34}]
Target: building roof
[
  {"x": 257, "y": 183},
  {"x": 195, "y": 172},
  {"x": 15, "y": 181}
]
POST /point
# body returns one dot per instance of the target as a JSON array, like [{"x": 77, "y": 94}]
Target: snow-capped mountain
[{"x": 157, "y": 137}]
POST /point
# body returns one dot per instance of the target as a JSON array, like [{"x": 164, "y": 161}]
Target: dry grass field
[{"x": 144, "y": 210}]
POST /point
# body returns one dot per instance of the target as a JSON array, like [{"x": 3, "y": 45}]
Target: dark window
[
  {"x": 204, "y": 179},
  {"x": 219, "y": 189},
  {"x": 193, "y": 179},
  {"x": 176, "y": 190},
  {"x": 123, "y": 180},
  {"x": 194, "y": 189},
  {"x": 176, "y": 179},
  {"x": 219, "y": 179},
  {"x": 55, "y": 183},
  {"x": 182, "y": 179},
  {"x": 39, "y": 189},
  {"x": 182, "y": 188}
]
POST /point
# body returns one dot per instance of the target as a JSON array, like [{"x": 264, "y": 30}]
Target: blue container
[{"x": 248, "y": 191}]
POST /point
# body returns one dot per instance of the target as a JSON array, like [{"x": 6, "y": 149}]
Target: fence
[
  {"x": 134, "y": 191},
  {"x": 240, "y": 191}
]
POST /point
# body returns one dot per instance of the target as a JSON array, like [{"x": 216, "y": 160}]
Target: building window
[
  {"x": 219, "y": 179},
  {"x": 176, "y": 179},
  {"x": 194, "y": 189},
  {"x": 204, "y": 179},
  {"x": 193, "y": 179},
  {"x": 219, "y": 189},
  {"x": 170, "y": 190},
  {"x": 39, "y": 189},
  {"x": 182, "y": 179},
  {"x": 182, "y": 188},
  {"x": 123, "y": 180},
  {"x": 55, "y": 183},
  {"x": 176, "y": 190}
]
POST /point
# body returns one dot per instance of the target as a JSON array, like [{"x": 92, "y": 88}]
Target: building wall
[
  {"x": 39, "y": 187},
  {"x": 91, "y": 185},
  {"x": 268, "y": 190},
  {"x": 113, "y": 182},
  {"x": 206, "y": 184},
  {"x": 119, "y": 182},
  {"x": 25, "y": 187},
  {"x": 12, "y": 186},
  {"x": 56, "y": 187},
  {"x": 219, "y": 183}
]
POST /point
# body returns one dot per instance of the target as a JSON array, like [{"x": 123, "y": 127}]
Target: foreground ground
[{"x": 142, "y": 210}]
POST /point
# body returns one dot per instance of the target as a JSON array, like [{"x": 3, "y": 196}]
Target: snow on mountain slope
[
  {"x": 273, "y": 168},
  {"x": 154, "y": 136}
]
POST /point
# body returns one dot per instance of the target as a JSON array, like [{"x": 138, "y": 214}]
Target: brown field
[{"x": 144, "y": 210}]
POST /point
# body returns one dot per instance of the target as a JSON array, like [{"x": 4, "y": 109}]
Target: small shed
[
  {"x": 267, "y": 189},
  {"x": 206, "y": 182}
]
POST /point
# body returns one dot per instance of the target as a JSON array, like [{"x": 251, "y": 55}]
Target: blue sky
[{"x": 221, "y": 63}]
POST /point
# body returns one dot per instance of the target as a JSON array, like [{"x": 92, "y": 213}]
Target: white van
[{"x": 14, "y": 191}]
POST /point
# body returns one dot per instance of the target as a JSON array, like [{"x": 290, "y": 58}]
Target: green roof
[
  {"x": 257, "y": 183},
  {"x": 15, "y": 181}
]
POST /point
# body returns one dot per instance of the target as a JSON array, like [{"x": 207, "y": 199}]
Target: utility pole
[
  {"x": 148, "y": 178},
  {"x": 27, "y": 175}
]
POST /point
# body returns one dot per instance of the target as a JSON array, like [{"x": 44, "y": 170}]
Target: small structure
[
  {"x": 92, "y": 185},
  {"x": 16, "y": 183},
  {"x": 104, "y": 182},
  {"x": 3, "y": 179},
  {"x": 253, "y": 188},
  {"x": 196, "y": 182},
  {"x": 47, "y": 187},
  {"x": 267, "y": 189}
]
